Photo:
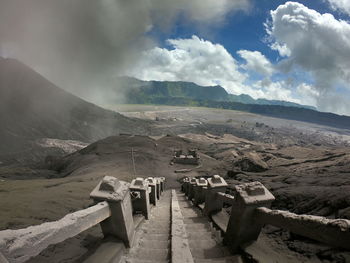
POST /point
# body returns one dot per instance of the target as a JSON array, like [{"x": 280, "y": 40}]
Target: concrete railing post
[
  {"x": 120, "y": 224},
  {"x": 185, "y": 184},
  {"x": 191, "y": 186},
  {"x": 212, "y": 202},
  {"x": 153, "y": 194},
  {"x": 162, "y": 184},
  {"x": 158, "y": 187},
  {"x": 242, "y": 228},
  {"x": 140, "y": 196},
  {"x": 199, "y": 192}
]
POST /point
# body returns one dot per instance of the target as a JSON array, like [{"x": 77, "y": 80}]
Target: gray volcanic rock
[{"x": 251, "y": 162}]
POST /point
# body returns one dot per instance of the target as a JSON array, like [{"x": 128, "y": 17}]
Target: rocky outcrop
[{"x": 250, "y": 162}]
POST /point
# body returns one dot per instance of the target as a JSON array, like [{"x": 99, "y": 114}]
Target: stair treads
[
  {"x": 212, "y": 252},
  {"x": 201, "y": 236},
  {"x": 155, "y": 244},
  {"x": 150, "y": 253},
  {"x": 230, "y": 259},
  {"x": 155, "y": 230},
  {"x": 202, "y": 243},
  {"x": 159, "y": 237},
  {"x": 152, "y": 237},
  {"x": 180, "y": 250}
]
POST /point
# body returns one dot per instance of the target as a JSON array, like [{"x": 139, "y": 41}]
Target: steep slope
[{"x": 31, "y": 108}]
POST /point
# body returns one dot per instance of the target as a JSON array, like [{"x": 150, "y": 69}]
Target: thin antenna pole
[{"x": 133, "y": 161}]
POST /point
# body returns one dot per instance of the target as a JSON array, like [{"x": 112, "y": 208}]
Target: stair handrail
[
  {"x": 334, "y": 232},
  {"x": 112, "y": 209},
  {"x": 251, "y": 211},
  {"x": 22, "y": 244}
]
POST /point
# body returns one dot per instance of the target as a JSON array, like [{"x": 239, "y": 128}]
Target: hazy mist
[{"x": 83, "y": 45}]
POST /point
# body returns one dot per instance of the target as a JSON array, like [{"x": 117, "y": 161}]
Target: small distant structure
[{"x": 190, "y": 158}]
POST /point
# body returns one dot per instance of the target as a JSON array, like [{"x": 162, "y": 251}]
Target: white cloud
[
  {"x": 282, "y": 49},
  {"x": 341, "y": 5},
  {"x": 82, "y": 44},
  {"x": 210, "y": 10},
  {"x": 308, "y": 94},
  {"x": 195, "y": 60},
  {"x": 257, "y": 62},
  {"x": 318, "y": 43},
  {"x": 208, "y": 64},
  {"x": 279, "y": 90}
]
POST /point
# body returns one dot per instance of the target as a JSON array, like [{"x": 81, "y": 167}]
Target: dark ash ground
[{"x": 305, "y": 166}]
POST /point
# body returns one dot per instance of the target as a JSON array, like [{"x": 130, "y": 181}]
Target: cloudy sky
[{"x": 293, "y": 51}]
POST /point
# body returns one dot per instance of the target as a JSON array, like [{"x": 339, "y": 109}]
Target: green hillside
[{"x": 145, "y": 92}]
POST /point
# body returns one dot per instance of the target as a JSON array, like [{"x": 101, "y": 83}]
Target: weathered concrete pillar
[
  {"x": 184, "y": 184},
  {"x": 162, "y": 184},
  {"x": 153, "y": 194},
  {"x": 242, "y": 228},
  {"x": 140, "y": 196},
  {"x": 187, "y": 185},
  {"x": 199, "y": 196},
  {"x": 157, "y": 179},
  {"x": 191, "y": 186},
  {"x": 120, "y": 224},
  {"x": 212, "y": 202}
]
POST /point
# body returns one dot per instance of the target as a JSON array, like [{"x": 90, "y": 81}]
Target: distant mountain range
[
  {"x": 189, "y": 94},
  {"x": 143, "y": 92}
]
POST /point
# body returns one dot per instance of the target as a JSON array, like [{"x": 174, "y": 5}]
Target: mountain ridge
[
  {"x": 143, "y": 91},
  {"x": 143, "y": 95}
]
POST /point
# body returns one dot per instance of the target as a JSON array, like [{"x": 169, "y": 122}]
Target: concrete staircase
[
  {"x": 204, "y": 242},
  {"x": 152, "y": 238}
]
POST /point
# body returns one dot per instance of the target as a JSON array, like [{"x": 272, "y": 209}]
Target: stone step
[
  {"x": 160, "y": 214},
  {"x": 192, "y": 220},
  {"x": 186, "y": 206},
  {"x": 150, "y": 254},
  {"x": 231, "y": 259},
  {"x": 205, "y": 244},
  {"x": 152, "y": 230},
  {"x": 135, "y": 260},
  {"x": 154, "y": 244},
  {"x": 150, "y": 237},
  {"x": 199, "y": 230},
  {"x": 184, "y": 202},
  {"x": 160, "y": 220},
  {"x": 156, "y": 224},
  {"x": 202, "y": 243},
  {"x": 150, "y": 225},
  {"x": 164, "y": 209},
  {"x": 199, "y": 226},
  {"x": 192, "y": 213},
  {"x": 213, "y": 252},
  {"x": 200, "y": 235}
]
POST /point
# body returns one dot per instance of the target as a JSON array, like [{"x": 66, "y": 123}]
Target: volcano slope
[
  {"x": 41, "y": 200},
  {"x": 33, "y": 109}
]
